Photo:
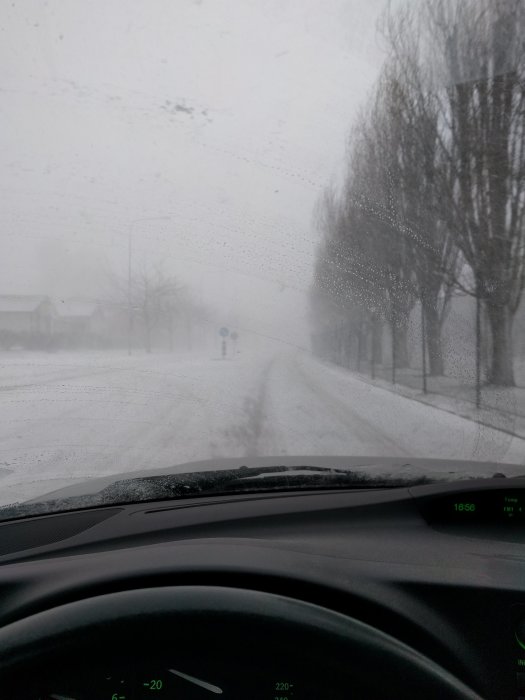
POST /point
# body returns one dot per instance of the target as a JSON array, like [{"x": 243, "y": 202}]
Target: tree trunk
[
  {"x": 360, "y": 348},
  {"x": 360, "y": 343},
  {"x": 377, "y": 343},
  {"x": 147, "y": 338},
  {"x": 486, "y": 343},
  {"x": 340, "y": 347},
  {"x": 501, "y": 367},
  {"x": 433, "y": 339},
  {"x": 401, "y": 345},
  {"x": 189, "y": 331},
  {"x": 171, "y": 334},
  {"x": 147, "y": 332},
  {"x": 394, "y": 346},
  {"x": 348, "y": 345}
]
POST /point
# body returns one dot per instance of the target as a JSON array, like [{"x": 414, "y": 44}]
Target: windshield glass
[{"x": 260, "y": 229}]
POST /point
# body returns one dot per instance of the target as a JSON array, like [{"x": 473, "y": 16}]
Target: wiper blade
[
  {"x": 313, "y": 476},
  {"x": 244, "y": 479}
]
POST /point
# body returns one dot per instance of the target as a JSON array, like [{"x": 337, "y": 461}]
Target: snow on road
[
  {"x": 70, "y": 416},
  {"x": 329, "y": 410}
]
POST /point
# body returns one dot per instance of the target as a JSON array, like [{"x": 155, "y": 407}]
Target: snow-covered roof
[
  {"x": 74, "y": 308},
  {"x": 21, "y": 303}
]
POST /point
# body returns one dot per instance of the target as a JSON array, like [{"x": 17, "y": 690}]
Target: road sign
[
  {"x": 234, "y": 335},
  {"x": 224, "y": 332}
]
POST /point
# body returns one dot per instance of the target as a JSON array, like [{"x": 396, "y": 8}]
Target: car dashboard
[{"x": 234, "y": 595}]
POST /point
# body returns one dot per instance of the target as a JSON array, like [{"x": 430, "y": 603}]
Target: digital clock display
[
  {"x": 498, "y": 507},
  {"x": 464, "y": 507}
]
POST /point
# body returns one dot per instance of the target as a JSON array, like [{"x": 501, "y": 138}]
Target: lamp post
[
  {"x": 130, "y": 310},
  {"x": 423, "y": 347}
]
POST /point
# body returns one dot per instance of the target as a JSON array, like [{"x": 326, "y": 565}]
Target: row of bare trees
[
  {"x": 156, "y": 307},
  {"x": 434, "y": 195}
]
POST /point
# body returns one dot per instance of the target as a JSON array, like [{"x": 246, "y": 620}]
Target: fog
[
  {"x": 204, "y": 131},
  {"x": 166, "y": 167}
]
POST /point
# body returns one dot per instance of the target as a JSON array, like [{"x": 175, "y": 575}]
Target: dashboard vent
[{"x": 38, "y": 532}]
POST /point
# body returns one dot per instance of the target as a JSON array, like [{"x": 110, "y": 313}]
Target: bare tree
[
  {"x": 151, "y": 298},
  {"x": 154, "y": 298},
  {"x": 335, "y": 311},
  {"x": 414, "y": 136},
  {"x": 482, "y": 110},
  {"x": 363, "y": 262},
  {"x": 375, "y": 220},
  {"x": 436, "y": 179}
]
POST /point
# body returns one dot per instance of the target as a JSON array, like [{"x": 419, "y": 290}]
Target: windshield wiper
[{"x": 244, "y": 479}]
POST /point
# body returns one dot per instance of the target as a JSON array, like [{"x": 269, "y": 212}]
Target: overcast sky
[{"x": 217, "y": 121}]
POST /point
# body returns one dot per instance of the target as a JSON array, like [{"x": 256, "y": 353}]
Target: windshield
[{"x": 261, "y": 229}]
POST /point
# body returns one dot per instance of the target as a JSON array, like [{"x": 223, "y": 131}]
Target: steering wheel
[{"x": 235, "y": 636}]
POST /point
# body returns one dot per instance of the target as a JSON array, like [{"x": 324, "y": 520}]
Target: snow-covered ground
[{"x": 71, "y": 416}]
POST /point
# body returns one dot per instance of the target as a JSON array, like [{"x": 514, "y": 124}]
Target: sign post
[
  {"x": 224, "y": 333},
  {"x": 234, "y": 336}
]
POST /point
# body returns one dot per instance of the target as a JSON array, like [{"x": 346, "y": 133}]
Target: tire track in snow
[
  {"x": 346, "y": 415},
  {"x": 249, "y": 433},
  {"x": 303, "y": 416}
]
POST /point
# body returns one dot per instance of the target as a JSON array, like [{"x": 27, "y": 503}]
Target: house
[
  {"x": 80, "y": 321},
  {"x": 27, "y": 314}
]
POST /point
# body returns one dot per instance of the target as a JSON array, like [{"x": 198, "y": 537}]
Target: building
[
  {"x": 26, "y": 314},
  {"x": 80, "y": 321}
]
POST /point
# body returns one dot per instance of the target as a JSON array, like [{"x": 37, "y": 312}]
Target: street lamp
[{"x": 130, "y": 239}]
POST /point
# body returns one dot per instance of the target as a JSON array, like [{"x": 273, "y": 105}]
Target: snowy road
[{"x": 70, "y": 416}]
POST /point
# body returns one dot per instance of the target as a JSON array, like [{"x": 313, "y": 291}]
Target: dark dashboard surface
[{"x": 440, "y": 568}]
